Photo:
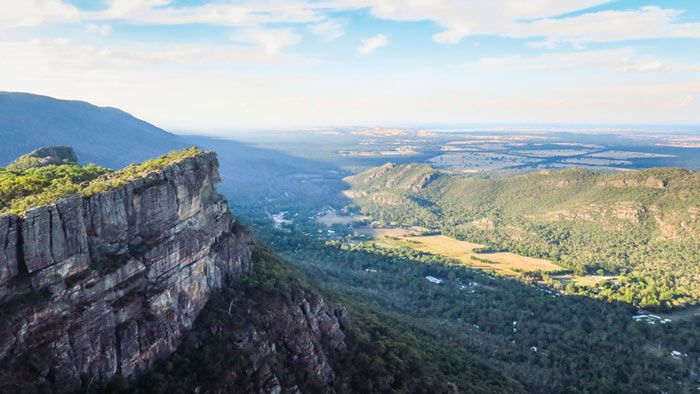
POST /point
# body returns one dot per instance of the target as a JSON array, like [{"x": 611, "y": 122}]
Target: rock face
[
  {"x": 54, "y": 155},
  {"x": 107, "y": 284},
  {"x": 271, "y": 344}
]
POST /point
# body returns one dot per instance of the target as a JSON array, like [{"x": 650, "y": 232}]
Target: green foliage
[
  {"x": 644, "y": 223},
  {"x": 25, "y": 162},
  {"x": 26, "y": 189},
  {"x": 466, "y": 323},
  {"x": 221, "y": 353},
  {"x": 22, "y": 190},
  {"x": 135, "y": 171}
]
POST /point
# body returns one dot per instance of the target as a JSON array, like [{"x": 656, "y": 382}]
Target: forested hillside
[{"x": 643, "y": 225}]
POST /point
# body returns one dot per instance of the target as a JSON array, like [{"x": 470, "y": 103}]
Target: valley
[
  {"x": 505, "y": 264},
  {"x": 519, "y": 279},
  {"x": 349, "y": 197}
]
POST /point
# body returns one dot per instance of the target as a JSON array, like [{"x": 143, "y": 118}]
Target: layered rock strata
[{"x": 107, "y": 284}]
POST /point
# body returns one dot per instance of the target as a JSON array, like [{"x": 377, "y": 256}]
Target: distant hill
[
  {"x": 106, "y": 136},
  {"x": 252, "y": 177},
  {"x": 643, "y": 225}
]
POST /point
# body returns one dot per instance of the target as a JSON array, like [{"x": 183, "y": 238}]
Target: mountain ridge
[
  {"x": 104, "y": 135},
  {"x": 640, "y": 225}
]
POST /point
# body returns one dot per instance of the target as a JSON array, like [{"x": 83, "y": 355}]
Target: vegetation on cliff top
[{"x": 21, "y": 190}]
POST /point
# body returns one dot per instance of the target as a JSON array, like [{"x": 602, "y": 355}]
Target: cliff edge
[
  {"x": 93, "y": 286},
  {"x": 42, "y": 157}
]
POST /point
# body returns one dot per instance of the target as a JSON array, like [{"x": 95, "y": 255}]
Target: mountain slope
[
  {"x": 252, "y": 177},
  {"x": 643, "y": 225},
  {"x": 107, "y": 136}
]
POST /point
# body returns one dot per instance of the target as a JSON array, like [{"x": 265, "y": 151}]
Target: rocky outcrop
[
  {"x": 270, "y": 343},
  {"x": 650, "y": 182},
  {"x": 107, "y": 284},
  {"x": 54, "y": 155}
]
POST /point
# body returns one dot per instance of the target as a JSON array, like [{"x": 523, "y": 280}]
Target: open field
[
  {"x": 588, "y": 280},
  {"x": 615, "y": 154},
  {"x": 507, "y": 264},
  {"x": 478, "y": 160}
]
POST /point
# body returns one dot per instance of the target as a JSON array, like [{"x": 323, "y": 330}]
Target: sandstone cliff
[
  {"x": 152, "y": 286},
  {"x": 96, "y": 286}
]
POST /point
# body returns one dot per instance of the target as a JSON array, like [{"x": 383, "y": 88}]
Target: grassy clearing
[{"x": 507, "y": 264}]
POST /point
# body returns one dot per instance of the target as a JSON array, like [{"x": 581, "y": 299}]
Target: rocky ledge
[
  {"x": 96, "y": 286},
  {"x": 42, "y": 157}
]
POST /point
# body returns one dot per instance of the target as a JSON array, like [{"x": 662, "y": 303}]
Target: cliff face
[
  {"x": 279, "y": 337},
  {"x": 107, "y": 284}
]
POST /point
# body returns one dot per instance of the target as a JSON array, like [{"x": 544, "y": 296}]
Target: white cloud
[
  {"x": 124, "y": 76},
  {"x": 606, "y": 26},
  {"x": 234, "y": 97},
  {"x": 534, "y": 18},
  {"x": 22, "y": 13},
  {"x": 246, "y": 12},
  {"x": 102, "y": 30},
  {"x": 371, "y": 44},
  {"x": 272, "y": 40},
  {"x": 682, "y": 102},
  {"x": 120, "y": 9},
  {"x": 458, "y": 18},
  {"x": 621, "y": 60},
  {"x": 462, "y": 18},
  {"x": 62, "y": 55},
  {"x": 329, "y": 30}
]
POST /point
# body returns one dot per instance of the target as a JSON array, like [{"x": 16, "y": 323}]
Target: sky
[{"x": 212, "y": 65}]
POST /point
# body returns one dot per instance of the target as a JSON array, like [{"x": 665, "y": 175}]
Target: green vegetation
[
  {"x": 26, "y": 162},
  {"x": 560, "y": 344},
  {"x": 643, "y": 226},
  {"x": 221, "y": 354},
  {"x": 26, "y": 189},
  {"x": 135, "y": 171},
  {"x": 22, "y": 190}
]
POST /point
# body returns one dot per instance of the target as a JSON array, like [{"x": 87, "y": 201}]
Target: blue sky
[{"x": 203, "y": 65}]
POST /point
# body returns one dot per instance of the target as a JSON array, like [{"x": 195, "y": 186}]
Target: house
[
  {"x": 435, "y": 280},
  {"x": 650, "y": 319},
  {"x": 678, "y": 355}
]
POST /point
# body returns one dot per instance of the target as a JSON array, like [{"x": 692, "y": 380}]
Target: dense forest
[
  {"x": 380, "y": 357},
  {"x": 542, "y": 340},
  {"x": 642, "y": 227}
]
